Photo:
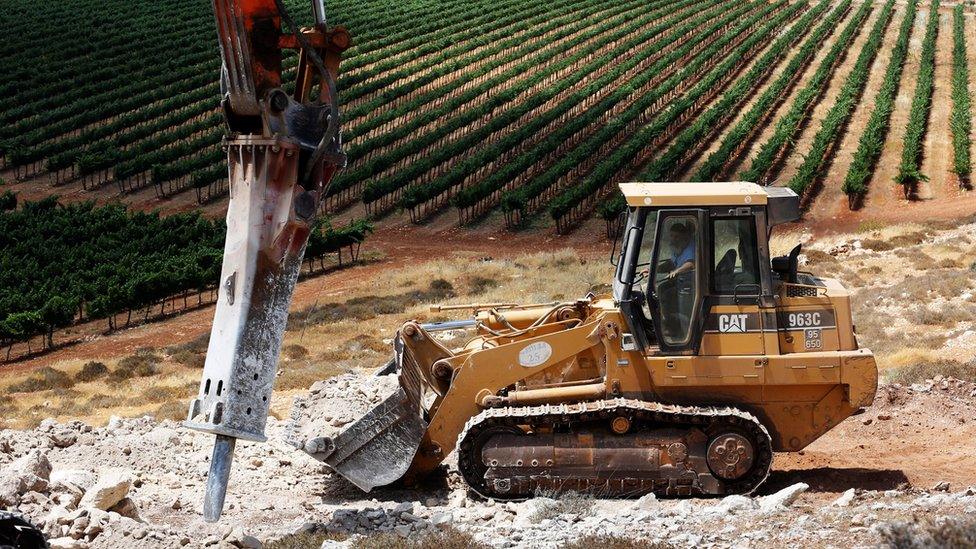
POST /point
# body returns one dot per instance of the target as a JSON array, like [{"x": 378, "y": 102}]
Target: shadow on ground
[{"x": 835, "y": 479}]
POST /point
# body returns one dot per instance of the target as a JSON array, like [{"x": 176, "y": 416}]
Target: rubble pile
[
  {"x": 139, "y": 483},
  {"x": 332, "y": 405}
]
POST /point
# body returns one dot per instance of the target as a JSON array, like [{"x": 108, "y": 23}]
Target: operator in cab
[
  {"x": 682, "y": 250},
  {"x": 675, "y": 285}
]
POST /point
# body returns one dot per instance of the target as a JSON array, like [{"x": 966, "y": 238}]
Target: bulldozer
[{"x": 707, "y": 356}]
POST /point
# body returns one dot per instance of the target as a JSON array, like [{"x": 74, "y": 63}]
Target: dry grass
[
  {"x": 923, "y": 533},
  {"x": 614, "y": 542},
  {"x": 449, "y": 538},
  {"x": 91, "y": 371},
  {"x": 368, "y": 306},
  {"x": 569, "y": 503},
  {"x": 294, "y": 351},
  {"x": 921, "y": 371},
  {"x": 877, "y": 245},
  {"x": 144, "y": 363},
  {"x": 921, "y": 260},
  {"x": 173, "y": 410},
  {"x": 870, "y": 226},
  {"x": 43, "y": 379},
  {"x": 946, "y": 283},
  {"x": 303, "y": 540},
  {"x": 352, "y": 331},
  {"x": 817, "y": 257},
  {"x": 945, "y": 314},
  {"x": 193, "y": 353},
  {"x": 910, "y": 239}
]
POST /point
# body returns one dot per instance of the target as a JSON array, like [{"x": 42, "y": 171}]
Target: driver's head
[{"x": 679, "y": 235}]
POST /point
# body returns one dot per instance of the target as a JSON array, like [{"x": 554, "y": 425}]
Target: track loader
[{"x": 707, "y": 357}]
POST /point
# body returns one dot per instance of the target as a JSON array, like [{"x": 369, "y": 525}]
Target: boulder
[
  {"x": 405, "y": 507},
  {"x": 736, "y": 502},
  {"x": 66, "y": 542},
  {"x": 77, "y": 477},
  {"x": 163, "y": 436},
  {"x": 127, "y": 508},
  {"x": 645, "y": 501},
  {"x": 237, "y": 538},
  {"x": 783, "y": 498},
  {"x": 29, "y": 473},
  {"x": 33, "y": 463},
  {"x": 11, "y": 487},
  {"x": 110, "y": 489},
  {"x": 845, "y": 499},
  {"x": 442, "y": 520}
]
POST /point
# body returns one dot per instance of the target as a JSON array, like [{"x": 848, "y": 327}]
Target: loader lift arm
[{"x": 282, "y": 151}]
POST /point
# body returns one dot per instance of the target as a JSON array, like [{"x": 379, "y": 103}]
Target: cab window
[
  {"x": 675, "y": 280},
  {"x": 733, "y": 256}
]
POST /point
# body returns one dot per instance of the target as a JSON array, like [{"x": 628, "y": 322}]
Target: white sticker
[{"x": 535, "y": 354}]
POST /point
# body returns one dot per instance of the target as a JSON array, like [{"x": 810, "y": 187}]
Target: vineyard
[
  {"x": 515, "y": 108},
  {"x": 67, "y": 264}
]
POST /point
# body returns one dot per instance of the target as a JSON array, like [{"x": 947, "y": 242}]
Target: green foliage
[
  {"x": 508, "y": 107},
  {"x": 325, "y": 239},
  {"x": 484, "y": 78},
  {"x": 61, "y": 259},
  {"x": 839, "y": 114},
  {"x": 790, "y": 123},
  {"x": 876, "y": 130},
  {"x": 909, "y": 171},
  {"x": 668, "y": 31},
  {"x": 763, "y": 22},
  {"x": 8, "y": 201},
  {"x": 961, "y": 119},
  {"x": 762, "y": 107},
  {"x": 661, "y": 167}
]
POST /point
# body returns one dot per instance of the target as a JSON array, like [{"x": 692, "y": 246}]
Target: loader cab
[{"x": 694, "y": 264}]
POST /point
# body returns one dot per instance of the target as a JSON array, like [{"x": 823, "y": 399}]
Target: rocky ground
[{"x": 139, "y": 483}]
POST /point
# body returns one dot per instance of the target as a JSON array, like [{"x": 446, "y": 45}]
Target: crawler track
[{"x": 515, "y": 452}]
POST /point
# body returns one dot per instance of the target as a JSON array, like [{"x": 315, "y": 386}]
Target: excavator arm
[{"x": 283, "y": 149}]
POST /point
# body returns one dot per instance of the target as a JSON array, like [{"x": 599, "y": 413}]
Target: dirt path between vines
[
  {"x": 749, "y": 155},
  {"x": 830, "y": 198},
  {"x": 804, "y": 140}
]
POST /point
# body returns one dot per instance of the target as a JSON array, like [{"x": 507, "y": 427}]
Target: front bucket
[{"x": 378, "y": 448}]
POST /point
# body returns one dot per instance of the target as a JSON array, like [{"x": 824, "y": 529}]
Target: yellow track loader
[{"x": 708, "y": 356}]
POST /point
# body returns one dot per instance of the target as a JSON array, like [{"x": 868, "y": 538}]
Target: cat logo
[{"x": 732, "y": 324}]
